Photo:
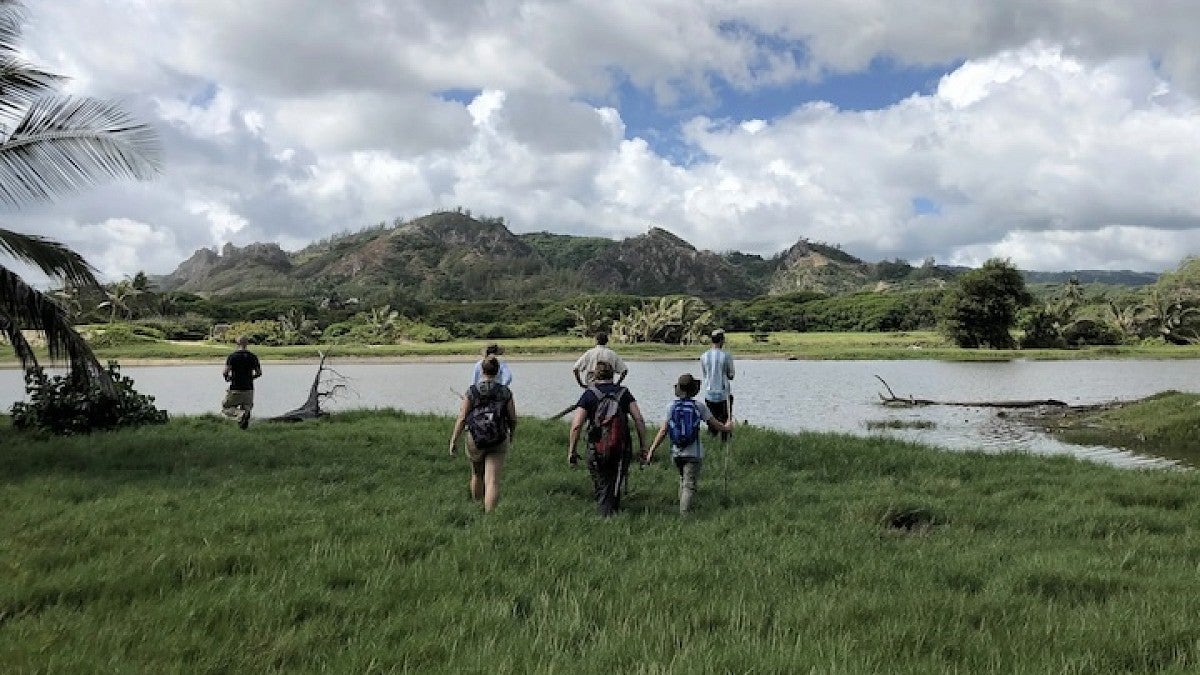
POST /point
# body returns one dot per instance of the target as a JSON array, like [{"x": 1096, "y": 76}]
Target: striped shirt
[{"x": 717, "y": 368}]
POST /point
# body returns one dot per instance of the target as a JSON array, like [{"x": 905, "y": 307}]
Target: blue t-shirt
[
  {"x": 696, "y": 449},
  {"x": 504, "y": 377}
]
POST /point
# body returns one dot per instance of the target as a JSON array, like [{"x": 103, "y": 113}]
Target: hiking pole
[
  {"x": 726, "y": 450},
  {"x": 565, "y": 411}
]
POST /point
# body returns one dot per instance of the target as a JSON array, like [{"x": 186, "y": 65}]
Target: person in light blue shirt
[
  {"x": 688, "y": 458},
  {"x": 505, "y": 376},
  {"x": 716, "y": 366}
]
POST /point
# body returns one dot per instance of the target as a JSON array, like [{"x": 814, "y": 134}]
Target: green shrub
[
  {"x": 426, "y": 333},
  {"x": 142, "y": 330},
  {"x": 115, "y": 335},
  {"x": 259, "y": 332},
  {"x": 65, "y": 406},
  {"x": 1041, "y": 330},
  {"x": 187, "y": 327},
  {"x": 1085, "y": 332}
]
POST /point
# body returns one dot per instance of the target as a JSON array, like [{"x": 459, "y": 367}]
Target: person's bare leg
[
  {"x": 477, "y": 486},
  {"x": 493, "y": 467}
]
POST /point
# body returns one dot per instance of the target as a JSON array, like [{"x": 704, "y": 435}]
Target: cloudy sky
[{"x": 1062, "y": 134}]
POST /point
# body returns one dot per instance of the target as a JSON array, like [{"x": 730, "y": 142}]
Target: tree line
[{"x": 990, "y": 307}]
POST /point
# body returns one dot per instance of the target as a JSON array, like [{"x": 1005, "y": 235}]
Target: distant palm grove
[{"x": 449, "y": 275}]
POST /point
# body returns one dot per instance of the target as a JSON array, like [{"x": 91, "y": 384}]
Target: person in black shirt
[
  {"x": 241, "y": 369},
  {"x": 607, "y": 456}
]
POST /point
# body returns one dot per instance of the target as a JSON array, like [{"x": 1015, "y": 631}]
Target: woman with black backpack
[{"x": 490, "y": 416}]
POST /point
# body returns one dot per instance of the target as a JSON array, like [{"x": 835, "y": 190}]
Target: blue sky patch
[
  {"x": 463, "y": 96},
  {"x": 924, "y": 206},
  {"x": 883, "y": 85}
]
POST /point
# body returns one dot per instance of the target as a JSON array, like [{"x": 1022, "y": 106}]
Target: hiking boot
[{"x": 244, "y": 420}]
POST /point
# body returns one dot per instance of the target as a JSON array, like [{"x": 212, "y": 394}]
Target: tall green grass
[{"x": 350, "y": 545}]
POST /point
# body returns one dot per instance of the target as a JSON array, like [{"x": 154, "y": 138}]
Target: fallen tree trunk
[
  {"x": 892, "y": 400},
  {"x": 312, "y": 406}
]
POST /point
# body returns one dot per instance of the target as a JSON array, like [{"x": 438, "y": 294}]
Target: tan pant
[{"x": 236, "y": 401}]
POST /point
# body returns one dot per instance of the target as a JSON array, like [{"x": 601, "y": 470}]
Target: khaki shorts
[
  {"x": 237, "y": 400},
  {"x": 477, "y": 455}
]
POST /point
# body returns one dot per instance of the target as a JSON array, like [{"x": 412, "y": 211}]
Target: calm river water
[{"x": 787, "y": 395}]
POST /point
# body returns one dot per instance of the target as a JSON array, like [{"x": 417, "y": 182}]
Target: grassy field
[
  {"x": 1165, "y": 425},
  {"x": 349, "y": 545},
  {"x": 905, "y": 345}
]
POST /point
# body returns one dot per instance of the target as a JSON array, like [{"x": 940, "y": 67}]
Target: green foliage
[
  {"x": 1090, "y": 332},
  {"x": 63, "y": 405},
  {"x": 1041, "y": 329},
  {"x": 261, "y": 332},
  {"x": 890, "y": 270},
  {"x": 567, "y": 252},
  {"x": 832, "y": 251},
  {"x": 873, "y": 312},
  {"x": 768, "y": 312},
  {"x": 981, "y": 307},
  {"x": 181, "y": 327},
  {"x": 670, "y": 320},
  {"x": 119, "y": 335},
  {"x": 426, "y": 333},
  {"x": 590, "y": 318}
]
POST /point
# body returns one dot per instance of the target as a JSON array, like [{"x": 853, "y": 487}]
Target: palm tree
[
  {"x": 52, "y": 144},
  {"x": 119, "y": 299}
]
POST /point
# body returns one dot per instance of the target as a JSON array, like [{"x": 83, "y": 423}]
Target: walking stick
[
  {"x": 565, "y": 411},
  {"x": 726, "y": 450}
]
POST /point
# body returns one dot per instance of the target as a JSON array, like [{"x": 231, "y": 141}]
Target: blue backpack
[{"x": 683, "y": 425}]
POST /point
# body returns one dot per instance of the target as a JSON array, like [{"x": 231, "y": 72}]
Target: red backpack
[{"x": 608, "y": 433}]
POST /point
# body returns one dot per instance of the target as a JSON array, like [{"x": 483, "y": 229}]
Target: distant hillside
[
  {"x": 1110, "y": 277},
  {"x": 659, "y": 263},
  {"x": 452, "y": 256},
  {"x": 567, "y": 252}
]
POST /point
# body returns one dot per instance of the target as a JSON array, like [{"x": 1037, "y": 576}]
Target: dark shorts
[{"x": 720, "y": 413}]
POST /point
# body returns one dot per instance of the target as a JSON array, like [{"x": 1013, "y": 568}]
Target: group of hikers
[
  {"x": 606, "y": 408},
  {"x": 602, "y": 415}
]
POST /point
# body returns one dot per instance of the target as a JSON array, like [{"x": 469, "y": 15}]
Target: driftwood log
[
  {"x": 892, "y": 400},
  {"x": 312, "y": 406}
]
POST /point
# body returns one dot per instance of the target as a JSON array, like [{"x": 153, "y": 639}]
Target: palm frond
[
  {"x": 49, "y": 256},
  {"x": 21, "y": 84},
  {"x": 24, "y": 307},
  {"x": 25, "y": 353},
  {"x": 66, "y": 143},
  {"x": 12, "y": 15}
]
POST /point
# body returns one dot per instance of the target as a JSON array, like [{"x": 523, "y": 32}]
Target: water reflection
[{"x": 837, "y": 396}]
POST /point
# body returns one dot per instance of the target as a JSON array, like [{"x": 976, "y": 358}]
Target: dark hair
[
  {"x": 490, "y": 366},
  {"x": 601, "y": 338},
  {"x": 603, "y": 370},
  {"x": 492, "y": 349},
  {"x": 718, "y": 339}
]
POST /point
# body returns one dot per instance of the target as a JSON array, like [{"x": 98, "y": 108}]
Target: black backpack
[
  {"x": 487, "y": 420},
  {"x": 608, "y": 433}
]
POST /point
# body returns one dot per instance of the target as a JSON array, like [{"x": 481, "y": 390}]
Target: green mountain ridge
[{"x": 450, "y": 255}]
